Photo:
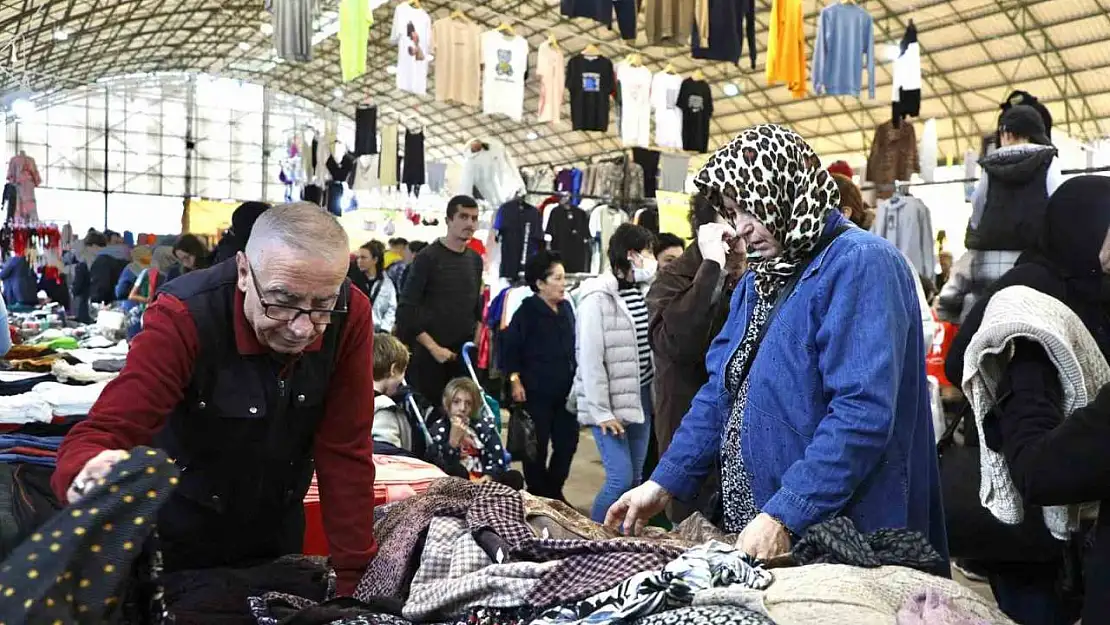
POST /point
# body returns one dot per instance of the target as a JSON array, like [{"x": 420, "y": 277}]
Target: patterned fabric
[
  {"x": 275, "y": 608},
  {"x": 736, "y": 482},
  {"x": 710, "y": 565},
  {"x": 933, "y": 608},
  {"x": 634, "y": 298},
  {"x": 772, "y": 174},
  {"x": 371, "y": 619},
  {"x": 837, "y": 541},
  {"x": 456, "y": 574},
  {"x": 710, "y": 615},
  {"x": 497, "y": 616},
  {"x": 485, "y": 457},
  {"x": 74, "y": 568},
  {"x": 588, "y": 567}
]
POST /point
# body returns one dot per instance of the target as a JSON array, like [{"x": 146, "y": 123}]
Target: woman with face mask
[
  {"x": 615, "y": 370},
  {"x": 817, "y": 403}
]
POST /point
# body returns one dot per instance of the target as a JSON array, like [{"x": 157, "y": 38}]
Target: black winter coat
[{"x": 103, "y": 276}]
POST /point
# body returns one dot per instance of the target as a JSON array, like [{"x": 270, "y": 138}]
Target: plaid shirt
[{"x": 970, "y": 278}]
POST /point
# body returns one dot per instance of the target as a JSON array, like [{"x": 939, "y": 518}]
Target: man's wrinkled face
[{"x": 284, "y": 281}]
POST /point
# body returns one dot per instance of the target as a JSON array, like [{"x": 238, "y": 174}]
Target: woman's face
[
  {"x": 461, "y": 406},
  {"x": 554, "y": 287},
  {"x": 366, "y": 260},
  {"x": 186, "y": 259},
  {"x": 756, "y": 237}
]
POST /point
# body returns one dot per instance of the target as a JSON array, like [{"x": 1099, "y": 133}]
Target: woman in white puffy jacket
[{"x": 615, "y": 370}]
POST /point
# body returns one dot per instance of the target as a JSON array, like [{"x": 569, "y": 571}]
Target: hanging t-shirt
[
  {"x": 551, "y": 68},
  {"x": 412, "y": 33},
  {"x": 668, "y": 117},
  {"x": 590, "y": 81},
  {"x": 696, "y": 103},
  {"x": 457, "y": 47},
  {"x": 505, "y": 61},
  {"x": 355, "y": 20},
  {"x": 635, "y": 93}
]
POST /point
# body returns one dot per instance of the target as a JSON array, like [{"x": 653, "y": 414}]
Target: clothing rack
[{"x": 900, "y": 184}]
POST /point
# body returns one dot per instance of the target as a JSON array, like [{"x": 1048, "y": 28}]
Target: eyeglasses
[{"x": 289, "y": 314}]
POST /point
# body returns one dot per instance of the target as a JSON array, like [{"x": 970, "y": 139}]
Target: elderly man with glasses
[{"x": 246, "y": 373}]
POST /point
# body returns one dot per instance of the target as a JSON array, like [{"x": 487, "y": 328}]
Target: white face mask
[{"x": 646, "y": 273}]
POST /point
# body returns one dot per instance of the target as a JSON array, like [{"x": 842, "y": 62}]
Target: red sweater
[{"x": 134, "y": 406}]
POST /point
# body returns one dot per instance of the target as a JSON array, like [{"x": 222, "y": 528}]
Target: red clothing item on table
[{"x": 134, "y": 407}]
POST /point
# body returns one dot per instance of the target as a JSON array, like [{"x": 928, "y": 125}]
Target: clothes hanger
[
  {"x": 414, "y": 4},
  {"x": 459, "y": 15},
  {"x": 668, "y": 69},
  {"x": 591, "y": 50},
  {"x": 698, "y": 75},
  {"x": 633, "y": 60},
  {"x": 505, "y": 29},
  {"x": 553, "y": 41}
]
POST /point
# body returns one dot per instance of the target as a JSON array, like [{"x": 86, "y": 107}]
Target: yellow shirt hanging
[
  {"x": 786, "y": 47},
  {"x": 355, "y": 20}
]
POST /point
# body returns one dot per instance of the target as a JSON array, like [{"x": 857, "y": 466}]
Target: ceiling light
[
  {"x": 266, "y": 28},
  {"x": 392, "y": 69},
  {"x": 338, "y": 93},
  {"x": 730, "y": 89},
  {"x": 61, "y": 34},
  {"x": 892, "y": 51},
  {"x": 244, "y": 46},
  {"x": 533, "y": 135}
]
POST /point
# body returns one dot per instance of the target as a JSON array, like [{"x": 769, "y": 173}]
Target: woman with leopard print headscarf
[{"x": 817, "y": 402}]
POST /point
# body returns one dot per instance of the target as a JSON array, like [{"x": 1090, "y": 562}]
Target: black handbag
[
  {"x": 523, "y": 444},
  {"x": 973, "y": 532}
]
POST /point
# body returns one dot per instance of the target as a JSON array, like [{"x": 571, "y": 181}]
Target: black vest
[
  {"x": 242, "y": 436},
  {"x": 1017, "y": 200}
]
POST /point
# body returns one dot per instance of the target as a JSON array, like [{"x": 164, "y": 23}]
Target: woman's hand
[
  {"x": 519, "y": 396},
  {"x": 636, "y": 507},
  {"x": 764, "y": 538},
  {"x": 611, "y": 427}
]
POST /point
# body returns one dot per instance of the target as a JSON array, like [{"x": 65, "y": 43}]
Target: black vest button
[
  {"x": 253, "y": 410},
  {"x": 202, "y": 405},
  {"x": 300, "y": 398},
  {"x": 216, "y": 499}
]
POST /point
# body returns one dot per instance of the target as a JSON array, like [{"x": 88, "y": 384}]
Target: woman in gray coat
[{"x": 615, "y": 367}]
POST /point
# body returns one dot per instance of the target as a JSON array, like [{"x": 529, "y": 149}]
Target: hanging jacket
[
  {"x": 893, "y": 156},
  {"x": 1009, "y": 204},
  {"x": 906, "y": 222},
  {"x": 19, "y": 282}
]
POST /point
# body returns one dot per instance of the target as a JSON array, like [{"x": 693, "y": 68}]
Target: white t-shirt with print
[
  {"x": 635, "y": 92},
  {"x": 668, "y": 117},
  {"x": 412, "y": 34},
  {"x": 505, "y": 61}
]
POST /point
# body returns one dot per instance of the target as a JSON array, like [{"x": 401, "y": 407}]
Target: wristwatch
[{"x": 515, "y": 377}]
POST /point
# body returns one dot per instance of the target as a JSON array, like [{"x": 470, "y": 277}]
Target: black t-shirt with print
[
  {"x": 590, "y": 81},
  {"x": 696, "y": 102}
]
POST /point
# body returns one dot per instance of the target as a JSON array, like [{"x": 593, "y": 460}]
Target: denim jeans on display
[{"x": 623, "y": 458}]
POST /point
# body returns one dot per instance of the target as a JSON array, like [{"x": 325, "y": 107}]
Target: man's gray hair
[{"x": 301, "y": 226}]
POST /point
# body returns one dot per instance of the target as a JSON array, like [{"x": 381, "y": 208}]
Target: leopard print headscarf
[{"x": 773, "y": 175}]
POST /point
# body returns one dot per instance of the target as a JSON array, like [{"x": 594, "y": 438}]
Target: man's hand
[
  {"x": 95, "y": 469},
  {"x": 611, "y": 427},
  {"x": 764, "y": 538},
  {"x": 636, "y": 507},
  {"x": 519, "y": 396},
  {"x": 714, "y": 242},
  {"x": 442, "y": 354}
]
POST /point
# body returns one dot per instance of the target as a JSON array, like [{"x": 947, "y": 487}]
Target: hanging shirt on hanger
[
  {"x": 635, "y": 97},
  {"x": 412, "y": 34},
  {"x": 366, "y": 173},
  {"x": 520, "y": 232},
  {"x": 591, "y": 81},
  {"x": 696, "y": 102},
  {"x": 905, "y": 89},
  {"x": 569, "y": 228},
  {"x": 668, "y": 117},
  {"x": 551, "y": 68},
  {"x": 355, "y": 20},
  {"x": 388, "y": 170},
  {"x": 673, "y": 170},
  {"x": 413, "y": 173},
  {"x": 844, "y": 36},
  {"x": 505, "y": 62},
  {"x": 725, "y": 21},
  {"x": 366, "y": 130},
  {"x": 604, "y": 221},
  {"x": 786, "y": 47},
  {"x": 457, "y": 48},
  {"x": 292, "y": 22}
]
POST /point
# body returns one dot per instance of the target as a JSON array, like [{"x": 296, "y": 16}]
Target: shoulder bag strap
[{"x": 787, "y": 289}]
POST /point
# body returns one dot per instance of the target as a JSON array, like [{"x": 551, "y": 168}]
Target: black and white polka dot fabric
[{"x": 82, "y": 565}]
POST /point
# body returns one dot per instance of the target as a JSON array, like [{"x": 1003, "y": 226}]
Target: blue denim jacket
[{"x": 837, "y": 420}]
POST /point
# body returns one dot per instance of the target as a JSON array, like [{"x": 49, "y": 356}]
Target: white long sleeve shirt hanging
[
  {"x": 927, "y": 150},
  {"x": 505, "y": 61},
  {"x": 412, "y": 34},
  {"x": 635, "y": 93},
  {"x": 668, "y": 117}
]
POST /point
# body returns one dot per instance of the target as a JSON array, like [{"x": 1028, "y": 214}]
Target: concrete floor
[{"x": 587, "y": 475}]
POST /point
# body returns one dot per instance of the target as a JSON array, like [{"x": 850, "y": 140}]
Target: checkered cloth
[
  {"x": 456, "y": 574},
  {"x": 586, "y": 567}
]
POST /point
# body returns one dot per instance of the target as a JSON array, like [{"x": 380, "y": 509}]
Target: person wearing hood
[
  {"x": 538, "y": 354},
  {"x": 141, "y": 258},
  {"x": 242, "y": 222},
  {"x": 106, "y": 269},
  {"x": 688, "y": 303},
  {"x": 817, "y": 403},
  {"x": 1053, "y": 460},
  {"x": 615, "y": 366}
]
